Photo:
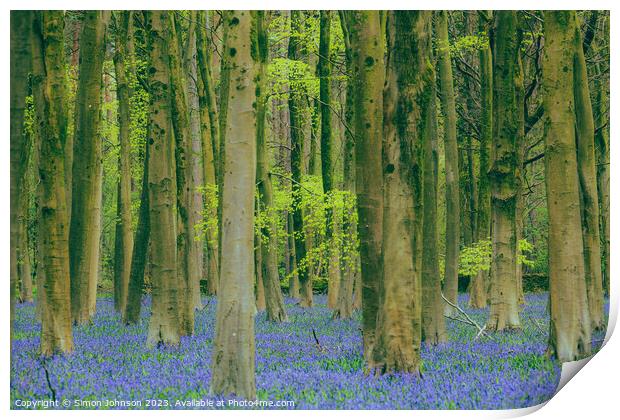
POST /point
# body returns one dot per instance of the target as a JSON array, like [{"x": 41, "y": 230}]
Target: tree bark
[
  {"x": 405, "y": 104},
  {"x": 295, "y": 105},
  {"x": 233, "y": 366},
  {"x": 504, "y": 310},
  {"x": 478, "y": 288},
  {"x": 268, "y": 268},
  {"x": 84, "y": 231},
  {"x": 586, "y": 167},
  {"x": 569, "y": 332},
  {"x": 124, "y": 236},
  {"x": 164, "y": 325},
  {"x": 369, "y": 73},
  {"x": 446, "y": 83},
  {"x": 21, "y": 64},
  {"x": 48, "y": 88}
]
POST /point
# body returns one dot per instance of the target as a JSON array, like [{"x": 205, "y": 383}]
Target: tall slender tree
[
  {"x": 569, "y": 329},
  {"x": 233, "y": 360},
  {"x": 446, "y": 85},
  {"x": 48, "y": 86},
  {"x": 84, "y": 231},
  {"x": 369, "y": 73},
  {"x": 164, "y": 324}
]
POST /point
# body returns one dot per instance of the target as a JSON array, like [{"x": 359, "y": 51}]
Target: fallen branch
[
  {"x": 47, "y": 378},
  {"x": 318, "y": 344},
  {"x": 468, "y": 319}
]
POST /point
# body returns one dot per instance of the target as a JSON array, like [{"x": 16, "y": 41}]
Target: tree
[
  {"x": 210, "y": 139},
  {"x": 268, "y": 267},
  {"x": 49, "y": 101},
  {"x": 124, "y": 237},
  {"x": 188, "y": 281},
  {"x": 406, "y": 98},
  {"x": 504, "y": 312},
  {"x": 478, "y": 287},
  {"x": 295, "y": 105},
  {"x": 433, "y": 322},
  {"x": 446, "y": 83},
  {"x": 21, "y": 63},
  {"x": 164, "y": 325},
  {"x": 84, "y": 231},
  {"x": 569, "y": 335},
  {"x": 366, "y": 41},
  {"x": 233, "y": 368},
  {"x": 586, "y": 167}
]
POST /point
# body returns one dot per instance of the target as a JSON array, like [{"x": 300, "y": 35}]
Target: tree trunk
[
  {"x": 268, "y": 268},
  {"x": 233, "y": 356},
  {"x": 210, "y": 150},
  {"x": 297, "y": 159},
  {"x": 569, "y": 333},
  {"x": 344, "y": 308},
  {"x": 369, "y": 73},
  {"x": 433, "y": 322},
  {"x": 504, "y": 311},
  {"x": 124, "y": 238},
  {"x": 187, "y": 261},
  {"x": 48, "y": 84},
  {"x": 294, "y": 273},
  {"x": 586, "y": 167},
  {"x": 405, "y": 103},
  {"x": 21, "y": 55},
  {"x": 446, "y": 83},
  {"x": 195, "y": 161},
  {"x": 140, "y": 247},
  {"x": 324, "y": 74},
  {"x": 84, "y": 232},
  {"x": 164, "y": 325},
  {"x": 478, "y": 287}
]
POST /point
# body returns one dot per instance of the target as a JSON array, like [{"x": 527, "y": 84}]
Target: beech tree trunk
[
  {"x": 446, "y": 84},
  {"x": 84, "y": 231},
  {"x": 268, "y": 268},
  {"x": 48, "y": 84},
  {"x": 586, "y": 167},
  {"x": 210, "y": 131},
  {"x": 478, "y": 287},
  {"x": 233, "y": 356},
  {"x": 433, "y": 321},
  {"x": 21, "y": 64},
  {"x": 124, "y": 237},
  {"x": 504, "y": 310},
  {"x": 164, "y": 325},
  {"x": 570, "y": 325},
  {"x": 297, "y": 163},
  {"x": 369, "y": 73},
  {"x": 405, "y": 103}
]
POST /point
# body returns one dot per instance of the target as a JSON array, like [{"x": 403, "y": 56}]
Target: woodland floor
[{"x": 111, "y": 362}]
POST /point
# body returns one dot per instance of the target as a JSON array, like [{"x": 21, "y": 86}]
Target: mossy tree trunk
[
  {"x": 210, "y": 131},
  {"x": 405, "y": 103},
  {"x": 570, "y": 326},
  {"x": 504, "y": 310},
  {"x": 478, "y": 288},
  {"x": 268, "y": 268},
  {"x": 446, "y": 84},
  {"x": 84, "y": 231},
  {"x": 48, "y": 84},
  {"x": 21, "y": 64},
  {"x": 295, "y": 105},
  {"x": 366, "y": 39},
  {"x": 586, "y": 167},
  {"x": 433, "y": 322},
  {"x": 164, "y": 325},
  {"x": 124, "y": 235},
  {"x": 233, "y": 361}
]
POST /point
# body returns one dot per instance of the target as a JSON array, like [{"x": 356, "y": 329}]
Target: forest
[{"x": 306, "y": 209}]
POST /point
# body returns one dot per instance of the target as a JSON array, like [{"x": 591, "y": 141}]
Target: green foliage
[
  {"x": 477, "y": 257},
  {"x": 207, "y": 226}
]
